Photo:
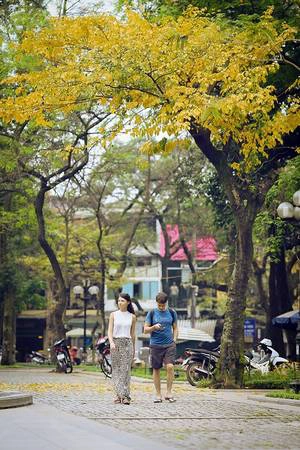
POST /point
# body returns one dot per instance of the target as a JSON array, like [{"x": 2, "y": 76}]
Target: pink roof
[{"x": 206, "y": 247}]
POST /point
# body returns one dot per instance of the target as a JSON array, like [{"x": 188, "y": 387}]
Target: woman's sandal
[
  {"x": 170, "y": 399},
  {"x": 157, "y": 400},
  {"x": 117, "y": 400},
  {"x": 126, "y": 401}
]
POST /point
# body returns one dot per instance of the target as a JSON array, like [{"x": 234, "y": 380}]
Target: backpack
[{"x": 152, "y": 315}]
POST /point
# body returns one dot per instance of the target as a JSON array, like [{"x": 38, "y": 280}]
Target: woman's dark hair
[{"x": 128, "y": 298}]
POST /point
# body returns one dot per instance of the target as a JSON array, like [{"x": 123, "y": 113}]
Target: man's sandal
[
  {"x": 170, "y": 399},
  {"x": 117, "y": 400},
  {"x": 126, "y": 401},
  {"x": 157, "y": 400}
]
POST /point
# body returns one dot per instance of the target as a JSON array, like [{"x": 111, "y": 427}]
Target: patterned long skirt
[{"x": 121, "y": 359}]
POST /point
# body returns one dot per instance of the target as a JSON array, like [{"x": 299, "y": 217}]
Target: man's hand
[{"x": 157, "y": 326}]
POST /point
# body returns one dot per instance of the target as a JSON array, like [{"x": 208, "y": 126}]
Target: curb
[
  {"x": 279, "y": 401},
  {"x": 13, "y": 399}
]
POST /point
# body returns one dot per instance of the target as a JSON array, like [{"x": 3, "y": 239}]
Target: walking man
[{"x": 161, "y": 323}]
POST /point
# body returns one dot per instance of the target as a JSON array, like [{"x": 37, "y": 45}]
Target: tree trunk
[
  {"x": 102, "y": 294},
  {"x": 246, "y": 196},
  {"x": 55, "y": 329},
  {"x": 259, "y": 277},
  {"x": 164, "y": 275},
  {"x": 1, "y": 318},
  {"x": 3, "y": 253},
  {"x": 9, "y": 328},
  {"x": 102, "y": 273},
  {"x": 232, "y": 346},
  {"x": 7, "y": 293},
  {"x": 55, "y": 324},
  {"x": 127, "y": 244}
]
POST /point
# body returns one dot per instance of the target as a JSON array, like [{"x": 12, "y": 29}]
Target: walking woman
[{"x": 121, "y": 335}]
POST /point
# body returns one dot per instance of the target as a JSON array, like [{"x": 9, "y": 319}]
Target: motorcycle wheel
[
  {"x": 105, "y": 366},
  {"x": 61, "y": 366},
  {"x": 69, "y": 368},
  {"x": 193, "y": 376}
]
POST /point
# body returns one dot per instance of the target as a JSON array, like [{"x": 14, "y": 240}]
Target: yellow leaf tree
[{"x": 193, "y": 75}]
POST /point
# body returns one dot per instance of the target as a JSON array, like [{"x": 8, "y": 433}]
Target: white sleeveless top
[{"x": 122, "y": 324}]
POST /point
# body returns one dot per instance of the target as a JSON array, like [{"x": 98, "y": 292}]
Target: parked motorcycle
[
  {"x": 37, "y": 358},
  {"x": 267, "y": 360},
  {"x": 104, "y": 356},
  {"x": 200, "y": 364},
  {"x": 62, "y": 354}
]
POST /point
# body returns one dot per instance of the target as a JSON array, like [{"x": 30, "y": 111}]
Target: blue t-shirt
[{"x": 165, "y": 335}]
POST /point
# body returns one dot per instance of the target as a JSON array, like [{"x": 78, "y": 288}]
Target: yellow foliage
[
  {"x": 57, "y": 387},
  {"x": 159, "y": 77}
]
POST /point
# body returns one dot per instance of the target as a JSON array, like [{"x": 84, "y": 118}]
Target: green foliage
[
  {"x": 218, "y": 200},
  {"x": 288, "y": 182},
  {"x": 270, "y": 231},
  {"x": 211, "y": 304},
  {"x": 197, "y": 179},
  {"x": 30, "y": 292},
  {"x": 271, "y": 380},
  {"x": 16, "y": 18},
  {"x": 232, "y": 9},
  {"x": 285, "y": 394}
]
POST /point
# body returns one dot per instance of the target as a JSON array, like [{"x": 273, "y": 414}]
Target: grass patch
[
  {"x": 88, "y": 368},
  {"x": 141, "y": 372},
  {"x": 145, "y": 373},
  {"x": 271, "y": 380},
  {"x": 28, "y": 366},
  {"x": 136, "y": 372},
  {"x": 284, "y": 394}
]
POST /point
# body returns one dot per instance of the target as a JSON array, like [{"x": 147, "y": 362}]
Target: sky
[{"x": 75, "y": 5}]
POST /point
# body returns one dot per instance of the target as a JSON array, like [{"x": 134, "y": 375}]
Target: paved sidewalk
[
  {"x": 79, "y": 406},
  {"x": 43, "y": 427}
]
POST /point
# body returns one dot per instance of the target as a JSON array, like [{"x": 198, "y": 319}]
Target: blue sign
[{"x": 249, "y": 327}]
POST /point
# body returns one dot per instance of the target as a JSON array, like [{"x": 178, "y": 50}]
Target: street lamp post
[
  {"x": 85, "y": 292},
  {"x": 287, "y": 210}
]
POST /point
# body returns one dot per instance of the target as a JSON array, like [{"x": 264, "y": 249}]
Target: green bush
[
  {"x": 285, "y": 394},
  {"x": 271, "y": 380}
]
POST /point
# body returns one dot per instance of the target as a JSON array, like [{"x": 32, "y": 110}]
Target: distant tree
[{"x": 279, "y": 240}]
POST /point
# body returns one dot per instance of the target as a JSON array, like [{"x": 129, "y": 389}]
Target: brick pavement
[{"x": 200, "y": 419}]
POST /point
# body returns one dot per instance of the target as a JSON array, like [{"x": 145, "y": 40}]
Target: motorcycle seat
[{"x": 201, "y": 351}]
